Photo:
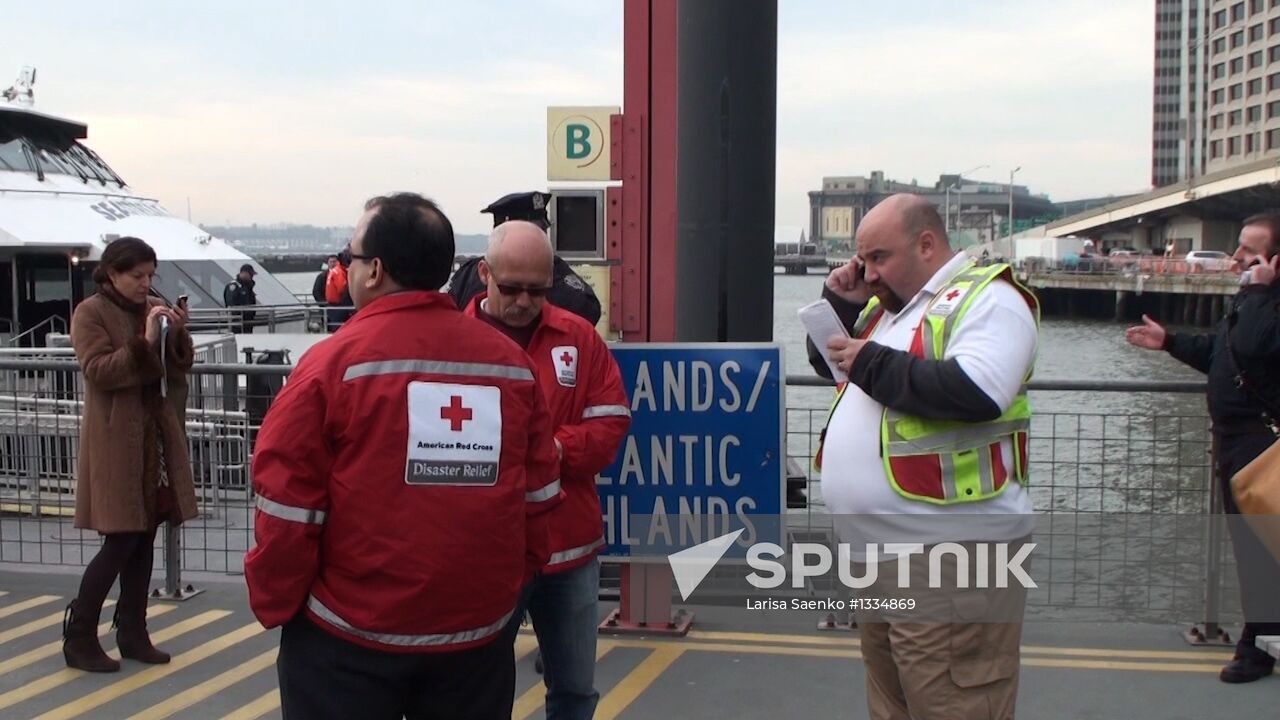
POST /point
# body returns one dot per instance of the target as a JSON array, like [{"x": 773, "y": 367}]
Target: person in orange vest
[
  {"x": 591, "y": 415},
  {"x": 335, "y": 291},
  {"x": 404, "y": 477},
  {"x": 926, "y": 447}
]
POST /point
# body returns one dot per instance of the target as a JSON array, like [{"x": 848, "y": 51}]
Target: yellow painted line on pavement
[
  {"x": 1118, "y": 652},
  {"x": 18, "y": 607},
  {"x": 209, "y": 687},
  {"x": 66, "y": 675},
  {"x": 842, "y": 638},
  {"x": 126, "y": 685},
  {"x": 256, "y": 709},
  {"x": 637, "y": 681},
  {"x": 1049, "y": 662},
  {"x": 50, "y": 649},
  {"x": 852, "y": 640},
  {"x": 29, "y": 509},
  {"x": 533, "y": 698},
  {"x": 786, "y": 650},
  {"x": 1121, "y": 665},
  {"x": 34, "y": 625}
]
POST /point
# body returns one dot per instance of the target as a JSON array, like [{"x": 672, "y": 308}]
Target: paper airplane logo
[{"x": 690, "y": 566}]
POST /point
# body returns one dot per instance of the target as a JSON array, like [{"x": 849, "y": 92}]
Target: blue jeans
[{"x": 565, "y": 618}]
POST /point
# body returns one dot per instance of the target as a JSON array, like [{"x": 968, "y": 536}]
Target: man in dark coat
[
  {"x": 239, "y": 293},
  {"x": 322, "y": 278},
  {"x": 568, "y": 289},
  {"x": 1240, "y": 359}
]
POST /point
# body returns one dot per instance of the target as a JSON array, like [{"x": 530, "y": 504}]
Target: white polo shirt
[{"x": 995, "y": 344}]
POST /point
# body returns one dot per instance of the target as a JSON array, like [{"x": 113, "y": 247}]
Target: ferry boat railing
[
  {"x": 1123, "y": 498},
  {"x": 53, "y": 323},
  {"x": 303, "y": 316}
]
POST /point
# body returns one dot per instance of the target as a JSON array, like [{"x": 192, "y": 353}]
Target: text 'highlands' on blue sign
[{"x": 706, "y": 451}]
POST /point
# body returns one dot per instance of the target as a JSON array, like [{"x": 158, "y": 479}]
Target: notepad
[{"x": 821, "y": 323}]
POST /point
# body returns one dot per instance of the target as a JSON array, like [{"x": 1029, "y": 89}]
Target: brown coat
[{"x": 117, "y": 476}]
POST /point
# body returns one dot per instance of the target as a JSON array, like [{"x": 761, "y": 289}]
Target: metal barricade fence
[{"x": 1123, "y": 498}]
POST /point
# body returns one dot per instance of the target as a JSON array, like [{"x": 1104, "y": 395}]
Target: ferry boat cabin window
[
  {"x": 11, "y": 156},
  {"x": 54, "y": 151},
  {"x": 170, "y": 281},
  {"x": 44, "y": 291}
]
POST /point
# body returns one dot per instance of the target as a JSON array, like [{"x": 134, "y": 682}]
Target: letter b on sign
[{"x": 577, "y": 141}]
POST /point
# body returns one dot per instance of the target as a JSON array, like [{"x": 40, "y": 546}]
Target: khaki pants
[{"x": 920, "y": 668}]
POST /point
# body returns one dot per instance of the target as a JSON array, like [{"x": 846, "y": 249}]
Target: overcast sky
[{"x": 289, "y": 111}]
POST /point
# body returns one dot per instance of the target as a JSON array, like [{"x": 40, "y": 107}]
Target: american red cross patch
[
  {"x": 564, "y": 358},
  {"x": 948, "y": 301}
]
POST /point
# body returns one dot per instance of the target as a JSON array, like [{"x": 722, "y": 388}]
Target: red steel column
[{"x": 643, "y": 241}]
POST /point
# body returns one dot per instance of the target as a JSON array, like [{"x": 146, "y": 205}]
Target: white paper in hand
[{"x": 821, "y": 323}]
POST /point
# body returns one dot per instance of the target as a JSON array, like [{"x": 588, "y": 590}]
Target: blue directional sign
[{"x": 706, "y": 452}]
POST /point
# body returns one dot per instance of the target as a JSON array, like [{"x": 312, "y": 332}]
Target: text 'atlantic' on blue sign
[{"x": 706, "y": 451}]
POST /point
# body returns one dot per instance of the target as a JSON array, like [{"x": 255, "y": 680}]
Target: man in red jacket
[
  {"x": 404, "y": 476},
  {"x": 590, "y": 414}
]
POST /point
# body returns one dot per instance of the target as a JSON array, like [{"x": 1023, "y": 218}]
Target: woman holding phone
[{"x": 133, "y": 469}]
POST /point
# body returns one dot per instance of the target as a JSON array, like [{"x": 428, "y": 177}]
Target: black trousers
[
  {"x": 323, "y": 676},
  {"x": 1258, "y": 570}
]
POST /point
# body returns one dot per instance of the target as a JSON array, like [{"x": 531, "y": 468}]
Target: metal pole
[
  {"x": 946, "y": 213},
  {"x": 1213, "y": 562},
  {"x": 1009, "y": 234},
  {"x": 172, "y": 560}
]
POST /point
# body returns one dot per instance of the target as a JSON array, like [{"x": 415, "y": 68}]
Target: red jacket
[
  {"x": 590, "y": 412},
  {"x": 335, "y": 285},
  {"x": 404, "y": 477}
]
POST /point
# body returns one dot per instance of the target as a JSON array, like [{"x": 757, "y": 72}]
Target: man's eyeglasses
[
  {"x": 515, "y": 290},
  {"x": 357, "y": 256}
]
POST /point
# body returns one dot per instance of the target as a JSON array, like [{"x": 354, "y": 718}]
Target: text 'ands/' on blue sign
[{"x": 706, "y": 452}]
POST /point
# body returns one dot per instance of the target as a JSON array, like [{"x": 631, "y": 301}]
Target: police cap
[{"x": 531, "y": 206}]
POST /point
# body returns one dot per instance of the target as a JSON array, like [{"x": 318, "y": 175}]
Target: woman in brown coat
[{"x": 134, "y": 471}]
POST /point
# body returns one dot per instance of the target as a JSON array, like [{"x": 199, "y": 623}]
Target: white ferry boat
[{"x": 61, "y": 205}]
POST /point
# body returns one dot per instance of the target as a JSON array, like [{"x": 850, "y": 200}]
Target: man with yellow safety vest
[{"x": 926, "y": 445}]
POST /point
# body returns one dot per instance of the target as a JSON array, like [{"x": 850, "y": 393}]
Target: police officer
[
  {"x": 239, "y": 293},
  {"x": 568, "y": 290},
  {"x": 403, "y": 479}
]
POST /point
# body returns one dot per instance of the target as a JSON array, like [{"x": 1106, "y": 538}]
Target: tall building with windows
[
  {"x": 1216, "y": 94},
  {"x": 1172, "y": 110},
  {"x": 1243, "y": 105}
]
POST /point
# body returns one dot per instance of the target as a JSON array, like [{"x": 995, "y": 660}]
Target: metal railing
[
  {"x": 1122, "y": 498},
  {"x": 54, "y": 323},
  {"x": 1125, "y": 264},
  {"x": 306, "y": 316}
]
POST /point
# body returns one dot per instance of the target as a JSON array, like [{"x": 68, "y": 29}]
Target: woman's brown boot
[
  {"x": 131, "y": 617},
  {"x": 80, "y": 646}
]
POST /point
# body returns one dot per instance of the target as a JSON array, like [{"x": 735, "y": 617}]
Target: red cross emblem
[
  {"x": 455, "y": 413},
  {"x": 566, "y": 358},
  {"x": 953, "y": 295}
]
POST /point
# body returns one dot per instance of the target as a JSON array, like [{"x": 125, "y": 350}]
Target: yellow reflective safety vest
[{"x": 947, "y": 462}]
